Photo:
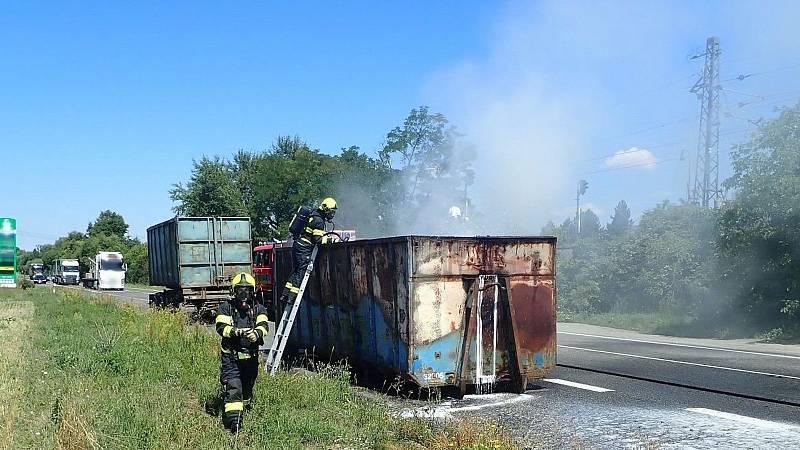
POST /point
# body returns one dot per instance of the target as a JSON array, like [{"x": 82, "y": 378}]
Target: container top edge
[{"x": 179, "y": 218}]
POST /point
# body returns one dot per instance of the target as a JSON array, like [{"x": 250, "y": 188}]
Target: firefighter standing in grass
[
  {"x": 306, "y": 235},
  {"x": 242, "y": 323}
]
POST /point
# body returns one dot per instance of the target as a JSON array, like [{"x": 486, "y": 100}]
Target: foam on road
[{"x": 587, "y": 387}]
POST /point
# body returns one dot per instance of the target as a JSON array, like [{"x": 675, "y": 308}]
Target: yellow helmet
[
  {"x": 328, "y": 208},
  {"x": 243, "y": 278},
  {"x": 327, "y": 204}
]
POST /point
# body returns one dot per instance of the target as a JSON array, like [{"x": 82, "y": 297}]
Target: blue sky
[{"x": 104, "y": 106}]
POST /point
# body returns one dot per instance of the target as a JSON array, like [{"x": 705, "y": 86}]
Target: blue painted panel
[{"x": 425, "y": 355}]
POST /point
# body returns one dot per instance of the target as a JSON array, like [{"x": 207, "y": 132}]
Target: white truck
[
  {"x": 106, "y": 271},
  {"x": 66, "y": 271}
]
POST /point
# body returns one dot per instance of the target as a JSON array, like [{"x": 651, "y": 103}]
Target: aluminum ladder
[{"x": 284, "y": 327}]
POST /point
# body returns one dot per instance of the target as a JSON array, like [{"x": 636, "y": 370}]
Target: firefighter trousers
[
  {"x": 301, "y": 256},
  {"x": 238, "y": 372}
]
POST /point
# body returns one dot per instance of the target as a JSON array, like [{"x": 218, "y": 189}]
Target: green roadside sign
[{"x": 8, "y": 252}]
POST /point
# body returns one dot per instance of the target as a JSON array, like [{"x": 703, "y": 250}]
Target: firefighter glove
[{"x": 251, "y": 335}]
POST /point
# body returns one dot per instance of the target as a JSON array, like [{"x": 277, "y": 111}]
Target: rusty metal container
[{"x": 438, "y": 311}]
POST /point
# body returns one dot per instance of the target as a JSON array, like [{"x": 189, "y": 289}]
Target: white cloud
[{"x": 634, "y": 157}]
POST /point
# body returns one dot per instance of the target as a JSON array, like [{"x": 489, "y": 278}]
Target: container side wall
[
  {"x": 350, "y": 307},
  {"x": 398, "y": 306},
  {"x": 161, "y": 254},
  {"x": 444, "y": 270}
]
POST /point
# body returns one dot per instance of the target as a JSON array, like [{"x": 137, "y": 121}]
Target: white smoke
[{"x": 558, "y": 75}]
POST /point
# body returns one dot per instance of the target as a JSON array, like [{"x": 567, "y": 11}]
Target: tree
[
  {"x": 211, "y": 191},
  {"x": 288, "y": 175},
  {"x": 621, "y": 222},
  {"x": 366, "y": 188},
  {"x": 108, "y": 222},
  {"x": 138, "y": 265},
  {"x": 272, "y": 184},
  {"x": 667, "y": 263},
  {"x": 434, "y": 167},
  {"x": 590, "y": 224},
  {"x": 759, "y": 231}
]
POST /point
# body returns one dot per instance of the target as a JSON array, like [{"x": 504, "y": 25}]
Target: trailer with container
[{"x": 194, "y": 258}]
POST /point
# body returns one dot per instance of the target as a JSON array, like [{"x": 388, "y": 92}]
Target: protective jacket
[
  {"x": 229, "y": 317},
  {"x": 313, "y": 231}
]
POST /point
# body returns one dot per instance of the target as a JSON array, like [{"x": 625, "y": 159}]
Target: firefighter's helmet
[
  {"x": 243, "y": 287},
  {"x": 328, "y": 208}
]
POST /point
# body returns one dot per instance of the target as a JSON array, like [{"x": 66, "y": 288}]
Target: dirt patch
[{"x": 15, "y": 317}]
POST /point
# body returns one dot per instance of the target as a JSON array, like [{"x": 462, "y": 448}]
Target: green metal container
[{"x": 198, "y": 252}]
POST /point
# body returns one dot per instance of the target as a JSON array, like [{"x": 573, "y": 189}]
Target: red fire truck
[{"x": 263, "y": 260}]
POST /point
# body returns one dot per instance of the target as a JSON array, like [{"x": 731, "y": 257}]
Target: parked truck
[
  {"x": 106, "y": 271},
  {"x": 461, "y": 313},
  {"x": 194, "y": 259},
  {"x": 66, "y": 271},
  {"x": 36, "y": 273}
]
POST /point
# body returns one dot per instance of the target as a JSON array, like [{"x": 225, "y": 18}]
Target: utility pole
[
  {"x": 707, "y": 88},
  {"x": 582, "y": 186}
]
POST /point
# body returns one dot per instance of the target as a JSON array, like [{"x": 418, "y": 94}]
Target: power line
[
  {"x": 654, "y": 89},
  {"x": 744, "y": 76},
  {"x": 649, "y": 128},
  {"x": 634, "y": 165}
]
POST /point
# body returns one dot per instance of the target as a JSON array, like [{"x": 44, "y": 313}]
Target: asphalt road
[
  {"x": 741, "y": 367},
  {"x": 586, "y": 409},
  {"x": 132, "y": 296}
]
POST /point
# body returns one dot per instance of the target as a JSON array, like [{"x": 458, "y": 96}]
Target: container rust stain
[{"x": 533, "y": 312}]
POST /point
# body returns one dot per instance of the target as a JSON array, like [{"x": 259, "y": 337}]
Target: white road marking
[
  {"x": 681, "y": 345},
  {"x": 744, "y": 419},
  {"x": 588, "y": 387},
  {"x": 777, "y": 375},
  {"x": 445, "y": 409}
]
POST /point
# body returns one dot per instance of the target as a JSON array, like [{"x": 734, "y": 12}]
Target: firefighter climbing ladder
[{"x": 284, "y": 328}]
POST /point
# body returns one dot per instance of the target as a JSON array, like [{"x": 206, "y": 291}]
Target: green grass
[
  {"x": 677, "y": 324},
  {"x": 651, "y": 323},
  {"x": 95, "y": 375}
]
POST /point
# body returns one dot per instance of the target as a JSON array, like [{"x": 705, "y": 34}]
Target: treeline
[
  {"x": 733, "y": 271},
  {"x": 419, "y": 172},
  {"x": 108, "y": 233}
]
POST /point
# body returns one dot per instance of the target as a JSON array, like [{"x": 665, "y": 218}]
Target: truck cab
[
  {"x": 263, "y": 260},
  {"x": 107, "y": 272},
  {"x": 66, "y": 271}
]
